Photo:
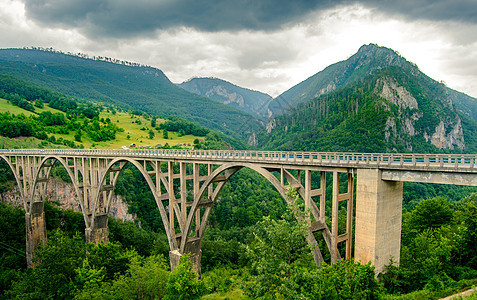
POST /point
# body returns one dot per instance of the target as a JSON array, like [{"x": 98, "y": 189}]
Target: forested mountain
[
  {"x": 125, "y": 84},
  {"x": 250, "y": 101},
  {"x": 394, "y": 108},
  {"x": 369, "y": 60}
]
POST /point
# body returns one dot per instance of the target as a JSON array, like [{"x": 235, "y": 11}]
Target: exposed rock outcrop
[
  {"x": 227, "y": 93},
  {"x": 447, "y": 134},
  {"x": 444, "y": 139},
  {"x": 252, "y": 140},
  {"x": 230, "y": 97},
  {"x": 328, "y": 89},
  {"x": 396, "y": 94},
  {"x": 271, "y": 125}
]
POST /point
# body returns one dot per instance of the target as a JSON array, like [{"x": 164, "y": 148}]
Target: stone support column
[
  {"x": 378, "y": 219},
  {"x": 100, "y": 232},
  {"x": 35, "y": 230},
  {"x": 193, "y": 249}
]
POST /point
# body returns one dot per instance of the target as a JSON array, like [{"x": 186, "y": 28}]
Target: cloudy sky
[{"x": 267, "y": 45}]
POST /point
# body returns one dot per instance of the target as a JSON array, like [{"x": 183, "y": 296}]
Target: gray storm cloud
[{"x": 125, "y": 18}]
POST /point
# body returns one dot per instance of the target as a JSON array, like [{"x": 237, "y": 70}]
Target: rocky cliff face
[
  {"x": 396, "y": 94},
  {"x": 448, "y": 134},
  {"x": 229, "y": 97},
  {"x": 64, "y": 193},
  {"x": 252, "y": 140}
]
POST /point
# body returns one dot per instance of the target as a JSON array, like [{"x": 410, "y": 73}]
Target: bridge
[{"x": 186, "y": 183}]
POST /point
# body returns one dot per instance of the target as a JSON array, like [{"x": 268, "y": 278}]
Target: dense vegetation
[
  {"x": 332, "y": 124},
  {"x": 438, "y": 248},
  {"x": 181, "y": 125},
  {"x": 269, "y": 259}
]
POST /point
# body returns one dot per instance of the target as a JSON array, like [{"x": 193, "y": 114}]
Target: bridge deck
[{"x": 461, "y": 163}]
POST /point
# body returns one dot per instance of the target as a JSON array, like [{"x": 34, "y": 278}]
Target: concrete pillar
[
  {"x": 35, "y": 230},
  {"x": 175, "y": 257},
  {"x": 194, "y": 251},
  {"x": 378, "y": 219},
  {"x": 99, "y": 232}
]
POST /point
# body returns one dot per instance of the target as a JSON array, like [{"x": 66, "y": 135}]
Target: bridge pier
[
  {"x": 35, "y": 228},
  {"x": 194, "y": 258},
  {"x": 99, "y": 232},
  {"x": 378, "y": 219}
]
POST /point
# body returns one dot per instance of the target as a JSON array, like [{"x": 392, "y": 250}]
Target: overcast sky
[{"x": 263, "y": 45}]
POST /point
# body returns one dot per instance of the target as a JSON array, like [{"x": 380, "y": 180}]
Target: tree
[
  {"x": 282, "y": 265},
  {"x": 183, "y": 282},
  {"x": 78, "y": 136},
  {"x": 151, "y": 134},
  {"x": 87, "y": 277},
  {"x": 279, "y": 254},
  {"x": 111, "y": 257},
  {"x": 347, "y": 279},
  {"x": 466, "y": 217},
  {"x": 146, "y": 278},
  {"x": 430, "y": 213},
  {"x": 56, "y": 264},
  {"x": 165, "y": 134},
  {"x": 12, "y": 239}
]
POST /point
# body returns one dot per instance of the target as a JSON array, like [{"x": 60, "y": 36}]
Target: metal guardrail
[{"x": 407, "y": 161}]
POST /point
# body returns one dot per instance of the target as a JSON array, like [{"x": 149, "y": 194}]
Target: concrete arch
[
  {"x": 17, "y": 179},
  {"x": 234, "y": 167},
  {"x": 68, "y": 171},
  {"x": 150, "y": 183}
]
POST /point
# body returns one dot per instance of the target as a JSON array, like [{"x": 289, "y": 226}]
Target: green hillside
[
  {"x": 130, "y": 86},
  {"x": 32, "y": 117},
  {"x": 136, "y": 127}
]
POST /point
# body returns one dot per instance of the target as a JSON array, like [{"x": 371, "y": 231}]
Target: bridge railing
[{"x": 372, "y": 160}]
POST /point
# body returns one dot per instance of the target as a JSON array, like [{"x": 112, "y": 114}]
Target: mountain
[
  {"x": 128, "y": 85},
  {"x": 376, "y": 101},
  {"x": 370, "y": 59},
  {"x": 222, "y": 91}
]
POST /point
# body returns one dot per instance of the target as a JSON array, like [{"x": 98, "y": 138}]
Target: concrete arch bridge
[{"x": 379, "y": 189}]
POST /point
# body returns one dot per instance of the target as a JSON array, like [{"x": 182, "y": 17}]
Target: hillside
[
  {"x": 369, "y": 60},
  {"x": 133, "y": 129},
  {"x": 252, "y": 102},
  {"x": 391, "y": 110},
  {"x": 34, "y": 117},
  {"x": 130, "y": 86}
]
